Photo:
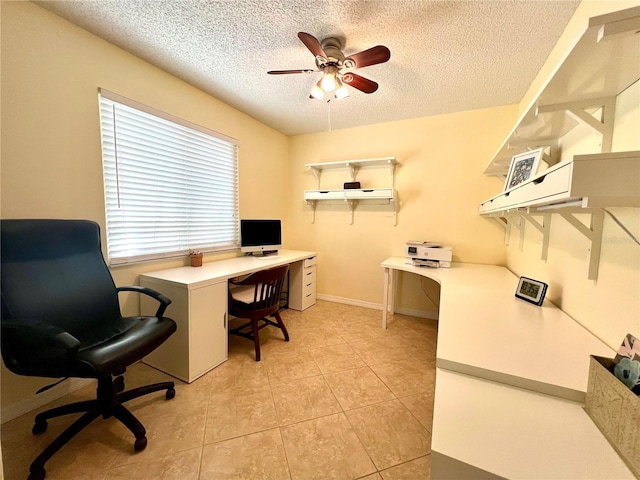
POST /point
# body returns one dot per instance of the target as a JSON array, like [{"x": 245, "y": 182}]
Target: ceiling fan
[{"x": 336, "y": 68}]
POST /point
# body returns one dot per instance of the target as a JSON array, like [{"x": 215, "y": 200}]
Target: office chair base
[{"x": 108, "y": 404}]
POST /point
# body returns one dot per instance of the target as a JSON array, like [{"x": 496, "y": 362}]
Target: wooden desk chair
[{"x": 257, "y": 297}]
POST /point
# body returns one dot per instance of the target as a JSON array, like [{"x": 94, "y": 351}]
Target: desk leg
[{"x": 389, "y": 280}]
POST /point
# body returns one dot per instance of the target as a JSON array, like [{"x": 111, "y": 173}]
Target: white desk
[
  {"x": 199, "y": 307},
  {"x": 511, "y": 380}
]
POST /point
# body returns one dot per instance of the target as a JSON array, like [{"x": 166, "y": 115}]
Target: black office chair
[
  {"x": 61, "y": 318},
  {"x": 257, "y": 297}
]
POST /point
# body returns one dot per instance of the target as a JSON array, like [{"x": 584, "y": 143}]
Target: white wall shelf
[
  {"x": 351, "y": 197},
  {"x": 582, "y": 90},
  {"x": 353, "y": 166},
  {"x": 585, "y": 185},
  {"x": 602, "y": 64}
]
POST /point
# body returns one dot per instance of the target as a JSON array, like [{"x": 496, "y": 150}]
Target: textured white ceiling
[{"x": 446, "y": 56}]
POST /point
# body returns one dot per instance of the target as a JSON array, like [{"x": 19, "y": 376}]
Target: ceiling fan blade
[
  {"x": 363, "y": 84},
  {"x": 286, "y": 72},
  {"x": 371, "y": 56},
  {"x": 312, "y": 44}
]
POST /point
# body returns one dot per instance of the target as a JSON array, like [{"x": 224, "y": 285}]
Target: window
[{"x": 170, "y": 185}]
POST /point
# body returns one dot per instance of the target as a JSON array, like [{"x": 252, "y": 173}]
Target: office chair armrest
[
  {"x": 44, "y": 332},
  {"x": 164, "y": 301}
]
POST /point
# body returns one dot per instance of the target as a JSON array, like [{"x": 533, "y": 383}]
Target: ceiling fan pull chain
[{"x": 329, "y": 112}]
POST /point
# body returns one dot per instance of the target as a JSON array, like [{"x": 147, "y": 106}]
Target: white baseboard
[
  {"x": 377, "y": 306},
  {"x": 349, "y": 301},
  {"x": 25, "y": 406}
]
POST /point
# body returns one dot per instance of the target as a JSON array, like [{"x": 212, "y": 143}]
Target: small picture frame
[
  {"x": 523, "y": 166},
  {"x": 531, "y": 290}
]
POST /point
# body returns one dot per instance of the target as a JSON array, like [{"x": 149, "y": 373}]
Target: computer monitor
[{"x": 260, "y": 236}]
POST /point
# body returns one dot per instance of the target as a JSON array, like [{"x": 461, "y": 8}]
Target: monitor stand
[{"x": 264, "y": 253}]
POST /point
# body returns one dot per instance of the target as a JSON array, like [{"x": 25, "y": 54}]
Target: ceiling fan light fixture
[
  {"x": 342, "y": 92},
  {"x": 328, "y": 82},
  {"x": 317, "y": 92}
]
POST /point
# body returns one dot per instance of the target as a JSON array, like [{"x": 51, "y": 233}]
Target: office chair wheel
[
  {"x": 39, "y": 427},
  {"x": 171, "y": 393},
  {"x": 37, "y": 475},
  {"x": 141, "y": 444}
]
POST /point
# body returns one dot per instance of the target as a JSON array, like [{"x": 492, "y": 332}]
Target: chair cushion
[
  {"x": 245, "y": 293},
  {"x": 139, "y": 337}
]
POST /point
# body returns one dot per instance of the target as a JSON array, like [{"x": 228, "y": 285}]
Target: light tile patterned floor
[{"x": 342, "y": 400}]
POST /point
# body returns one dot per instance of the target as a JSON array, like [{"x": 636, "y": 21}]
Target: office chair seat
[{"x": 61, "y": 318}]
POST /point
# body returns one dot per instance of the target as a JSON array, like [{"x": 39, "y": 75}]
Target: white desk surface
[
  {"x": 510, "y": 383},
  {"x": 219, "y": 270},
  {"x": 517, "y": 434},
  {"x": 486, "y": 332}
]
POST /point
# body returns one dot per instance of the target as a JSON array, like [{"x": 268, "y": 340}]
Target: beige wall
[
  {"x": 51, "y": 157},
  {"x": 439, "y": 182}
]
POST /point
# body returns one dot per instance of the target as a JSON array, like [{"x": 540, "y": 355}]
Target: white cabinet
[
  {"x": 200, "y": 342},
  {"x": 302, "y": 284},
  {"x": 352, "y": 196}
]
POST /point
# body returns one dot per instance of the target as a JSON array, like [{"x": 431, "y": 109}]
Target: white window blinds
[{"x": 170, "y": 186}]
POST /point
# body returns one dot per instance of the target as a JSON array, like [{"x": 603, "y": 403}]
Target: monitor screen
[{"x": 260, "y": 235}]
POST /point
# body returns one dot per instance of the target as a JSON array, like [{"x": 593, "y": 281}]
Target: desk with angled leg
[{"x": 511, "y": 379}]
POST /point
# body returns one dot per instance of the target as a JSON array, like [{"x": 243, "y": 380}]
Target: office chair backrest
[
  {"x": 54, "y": 271},
  {"x": 265, "y": 295}
]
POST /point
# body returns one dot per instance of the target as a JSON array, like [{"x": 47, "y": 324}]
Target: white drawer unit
[
  {"x": 350, "y": 194},
  {"x": 595, "y": 180},
  {"x": 302, "y": 284},
  {"x": 586, "y": 184}
]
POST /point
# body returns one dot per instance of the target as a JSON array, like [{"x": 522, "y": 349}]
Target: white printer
[{"x": 427, "y": 254}]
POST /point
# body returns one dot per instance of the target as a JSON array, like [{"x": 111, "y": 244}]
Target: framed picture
[
  {"x": 523, "y": 166},
  {"x": 531, "y": 290}
]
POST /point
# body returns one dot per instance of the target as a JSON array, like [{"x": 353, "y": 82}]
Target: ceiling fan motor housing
[{"x": 332, "y": 46}]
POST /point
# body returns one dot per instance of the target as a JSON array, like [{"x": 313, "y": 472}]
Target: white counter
[{"x": 510, "y": 383}]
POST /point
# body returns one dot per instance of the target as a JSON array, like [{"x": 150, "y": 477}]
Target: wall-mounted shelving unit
[
  {"x": 582, "y": 90},
  {"x": 352, "y": 196},
  {"x": 602, "y": 64}
]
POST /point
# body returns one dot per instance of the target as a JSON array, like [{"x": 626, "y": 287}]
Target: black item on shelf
[{"x": 351, "y": 185}]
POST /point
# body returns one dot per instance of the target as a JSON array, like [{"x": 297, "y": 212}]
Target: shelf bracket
[
  {"x": 506, "y": 225},
  {"x": 519, "y": 224},
  {"x": 312, "y": 204},
  {"x": 352, "y": 206},
  {"x": 544, "y": 228},
  {"x": 593, "y": 233},
  {"x": 578, "y": 111},
  {"x": 392, "y": 171},
  {"x": 353, "y": 169},
  {"x": 394, "y": 205},
  {"x": 316, "y": 173}
]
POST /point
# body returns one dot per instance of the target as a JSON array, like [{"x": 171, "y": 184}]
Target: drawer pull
[
  {"x": 368, "y": 191},
  {"x": 323, "y": 191},
  {"x": 538, "y": 181},
  {"x": 309, "y": 295}
]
